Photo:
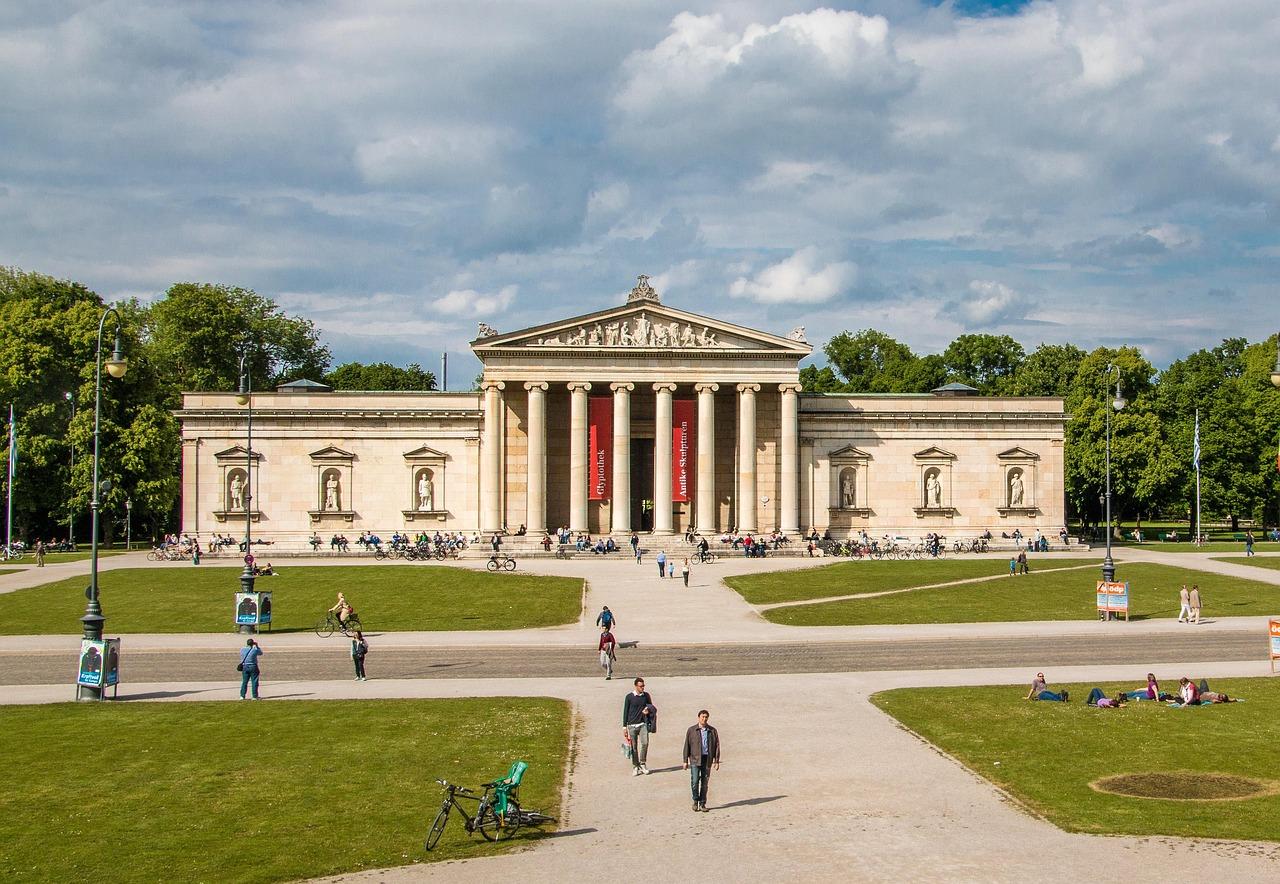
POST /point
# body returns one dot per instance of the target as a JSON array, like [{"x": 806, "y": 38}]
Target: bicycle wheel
[
  {"x": 152, "y": 556},
  {"x": 379, "y": 554},
  {"x": 533, "y": 818},
  {"x": 509, "y": 564},
  {"x": 493, "y": 565},
  {"x": 493, "y": 829},
  {"x": 324, "y": 628},
  {"x": 437, "y": 827}
]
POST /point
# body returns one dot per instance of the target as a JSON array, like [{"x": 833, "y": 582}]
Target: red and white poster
[
  {"x": 682, "y": 449},
  {"x": 599, "y": 447}
]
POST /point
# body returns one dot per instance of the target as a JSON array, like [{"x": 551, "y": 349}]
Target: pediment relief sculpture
[{"x": 641, "y": 330}]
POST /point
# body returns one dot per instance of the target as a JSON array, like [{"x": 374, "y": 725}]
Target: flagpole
[
  {"x": 8, "y": 519},
  {"x": 1197, "y": 454}
]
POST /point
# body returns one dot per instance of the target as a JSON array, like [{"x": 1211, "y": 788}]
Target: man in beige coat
[
  {"x": 1194, "y": 599},
  {"x": 1184, "y": 602}
]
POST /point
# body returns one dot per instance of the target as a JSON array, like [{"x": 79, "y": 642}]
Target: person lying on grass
[
  {"x": 1039, "y": 691},
  {"x": 1102, "y": 701}
]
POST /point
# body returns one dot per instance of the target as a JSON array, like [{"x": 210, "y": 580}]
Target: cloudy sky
[{"x": 1085, "y": 170}]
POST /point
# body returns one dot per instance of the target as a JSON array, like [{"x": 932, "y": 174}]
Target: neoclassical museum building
[{"x": 640, "y": 417}]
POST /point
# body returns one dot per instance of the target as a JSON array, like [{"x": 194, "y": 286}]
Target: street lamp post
[
  {"x": 128, "y": 524},
  {"x": 245, "y": 397},
  {"x": 1275, "y": 382},
  {"x": 116, "y": 367},
  {"x": 71, "y": 510},
  {"x": 1108, "y": 564}
]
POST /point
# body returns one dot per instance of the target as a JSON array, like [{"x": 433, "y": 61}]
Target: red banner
[
  {"x": 683, "y": 444},
  {"x": 599, "y": 447}
]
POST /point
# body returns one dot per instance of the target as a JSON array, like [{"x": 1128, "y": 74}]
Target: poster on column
[
  {"x": 599, "y": 446},
  {"x": 682, "y": 449}
]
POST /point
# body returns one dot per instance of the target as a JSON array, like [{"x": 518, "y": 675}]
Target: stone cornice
[{"x": 267, "y": 414}]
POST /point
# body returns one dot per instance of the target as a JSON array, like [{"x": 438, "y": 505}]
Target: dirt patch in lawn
[{"x": 1184, "y": 786}]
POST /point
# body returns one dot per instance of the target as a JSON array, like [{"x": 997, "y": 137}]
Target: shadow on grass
[
  {"x": 748, "y": 802},
  {"x": 161, "y": 695}
]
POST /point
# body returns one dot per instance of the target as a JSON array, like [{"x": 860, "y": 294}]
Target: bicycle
[
  {"x": 704, "y": 558},
  {"x": 501, "y": 563},
  {"x": 349, "y": 627},
  {"x": 562, "y": 551},
  {"x": 491, "y": 825},
  {"x": 12, "y": 554}
]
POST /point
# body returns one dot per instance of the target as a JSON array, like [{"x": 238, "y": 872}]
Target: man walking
[
  {"x": 635, "y": 546},
  {"x": 608, "y": 652},
  {"x": 662, "y": 563},
  {"x": 1184, "y": 599},
  {"x": 606, "y": 619},
  {"x": 637, "y": 720},
  {"x": 1194, "y": 600},
  {"x": 1022, "y": 563},
  {"x": 701, "y": 751}
]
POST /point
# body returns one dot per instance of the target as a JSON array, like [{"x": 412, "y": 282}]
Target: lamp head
[
  {"x": 242, "y": 395},
  {"x": 128, "y": 503},
  {"x": 67, "y": 396},
  {"x": 117, "y": 365},
  {"x": 1119, "y": 402}
]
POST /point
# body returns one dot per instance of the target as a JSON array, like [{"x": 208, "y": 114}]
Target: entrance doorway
[{"x": 642, "y": 484}]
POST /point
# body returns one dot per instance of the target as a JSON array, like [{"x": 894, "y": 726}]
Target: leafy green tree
[
  {"x": 197, "y": 332},
  {"x": 987, "y": 362},
  {"x": 380, "y": 376},
  {"x": 1048, "y": 370},
  {"x": 870, "y": 361}
]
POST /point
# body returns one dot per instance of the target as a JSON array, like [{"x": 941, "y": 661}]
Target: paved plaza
[{"x": 817, "y": 784}]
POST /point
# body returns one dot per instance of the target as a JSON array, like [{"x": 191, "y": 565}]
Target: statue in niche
[
  {"x": 687, "y": 338},
  {"x": 425, "y": 492},
  {"x": 1016, "y": 490},
  {"x": 237, "y": 492},
  {"x": 331, "y": 490},
  {"x": 933, "y": 491},
  {"x": 643, "y": 328},
  {"x": 848, "y": 497}
]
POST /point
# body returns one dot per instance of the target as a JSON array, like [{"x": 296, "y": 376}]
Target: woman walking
[
  {"x": 249, "y": 670},
  {"x": 359, "y": 647},
  {"x": 684, "y": 572}
]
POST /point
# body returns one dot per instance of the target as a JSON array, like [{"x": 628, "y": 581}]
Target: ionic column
[
  {"x": 578, "y": 456},
  {"x": 621, "y": 504},
  {"x": 788, "y": 463},
  {"x": 662, "y": 458},
  {"x": 536, "y": 497},
  {"x": 491, "y": 459},
  {"x": 705, "y": 490},
  {"x": 747, "y": 457}
]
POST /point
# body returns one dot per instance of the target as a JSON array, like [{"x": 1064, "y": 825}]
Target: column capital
[
  {"x": 575, "y": 386},
  {"x": 486, "y": 386},
  {"x": 664, "y": 387},
  {"x": 622, "y": 387},
  {"x": 537, "y": 385},
  {"x": 790, "y": 388},
  {"x": 748, "y": 388},
  {"x": 706, "y": 387}
]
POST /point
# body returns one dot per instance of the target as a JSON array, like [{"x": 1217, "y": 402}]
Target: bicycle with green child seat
[{"x": 498, "y": 813}]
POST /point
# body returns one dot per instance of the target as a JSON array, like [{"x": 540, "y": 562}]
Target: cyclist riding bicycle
[{"x": 343, "y": 609}]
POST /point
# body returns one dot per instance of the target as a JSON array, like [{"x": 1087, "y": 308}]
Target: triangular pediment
[
  {"x": 643, "y": 326},
  {"x": 332, "y": 452},
  {"x": 934, "y": 453},
  {"x": 236, "y": 452},
  {"x": 849, "y": 452},
  {"x": 424, "y": 453},
  {"x": 1018, "y": 453}
]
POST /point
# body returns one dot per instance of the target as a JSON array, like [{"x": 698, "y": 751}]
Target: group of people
[
  {"x": 700, "y": 752},
  {"x": 1189, "y": 604},
  {"x": 1189, "y": 693},
  {"x": 1018, "y": 564}
]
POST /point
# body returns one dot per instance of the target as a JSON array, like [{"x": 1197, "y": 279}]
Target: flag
[
  {"x": 13, "y": 444},
  {"x": 1195, "y": 449}
]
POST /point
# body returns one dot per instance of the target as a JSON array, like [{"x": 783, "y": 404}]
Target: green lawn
[
  {"x": 29, "y": 560},
  {"x": 1058, "y": 595},
  {"x": 1272, "y": 562},
  {"x": 266, "y": 791},
  {"x": 1220, "y": 546},
  {"x": 1048, "y": 753},
  {"x": 848, "y": 578},
  {"x": 387, "y": 599}
]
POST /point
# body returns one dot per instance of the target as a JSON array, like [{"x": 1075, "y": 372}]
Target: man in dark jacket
[
  {"x": 638, "y": 721},
  {"x": 701, "y": 751}
]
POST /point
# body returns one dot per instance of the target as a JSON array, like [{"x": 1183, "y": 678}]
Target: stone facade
[{"x": 761, "y": 455}]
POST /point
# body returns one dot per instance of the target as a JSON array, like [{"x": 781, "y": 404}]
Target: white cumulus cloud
[
  {"x": 989, "y": 303},
  {"x": 469, "y": 302},
  {"x": 799, "y": 279}
]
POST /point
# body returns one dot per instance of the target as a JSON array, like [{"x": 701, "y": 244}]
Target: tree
[
  {"x": 1048, "y": 370},
  {"x": 380, "y": 376},
  {"x": 197, "y": 332},
  {"x": 987, "y": 362},
  {"x": 872, "y": 362}
]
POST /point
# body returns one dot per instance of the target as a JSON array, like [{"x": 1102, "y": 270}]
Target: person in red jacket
[{"x": 608, "y": 652}]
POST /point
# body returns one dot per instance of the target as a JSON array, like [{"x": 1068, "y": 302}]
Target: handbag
[{"x": 239, "y": 667}]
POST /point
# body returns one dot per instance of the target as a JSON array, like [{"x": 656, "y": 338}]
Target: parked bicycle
[
  {"x": 498, "y": 814},
  {"x": 501, "y": 563},
  {"x": 348, "y": 627}
]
